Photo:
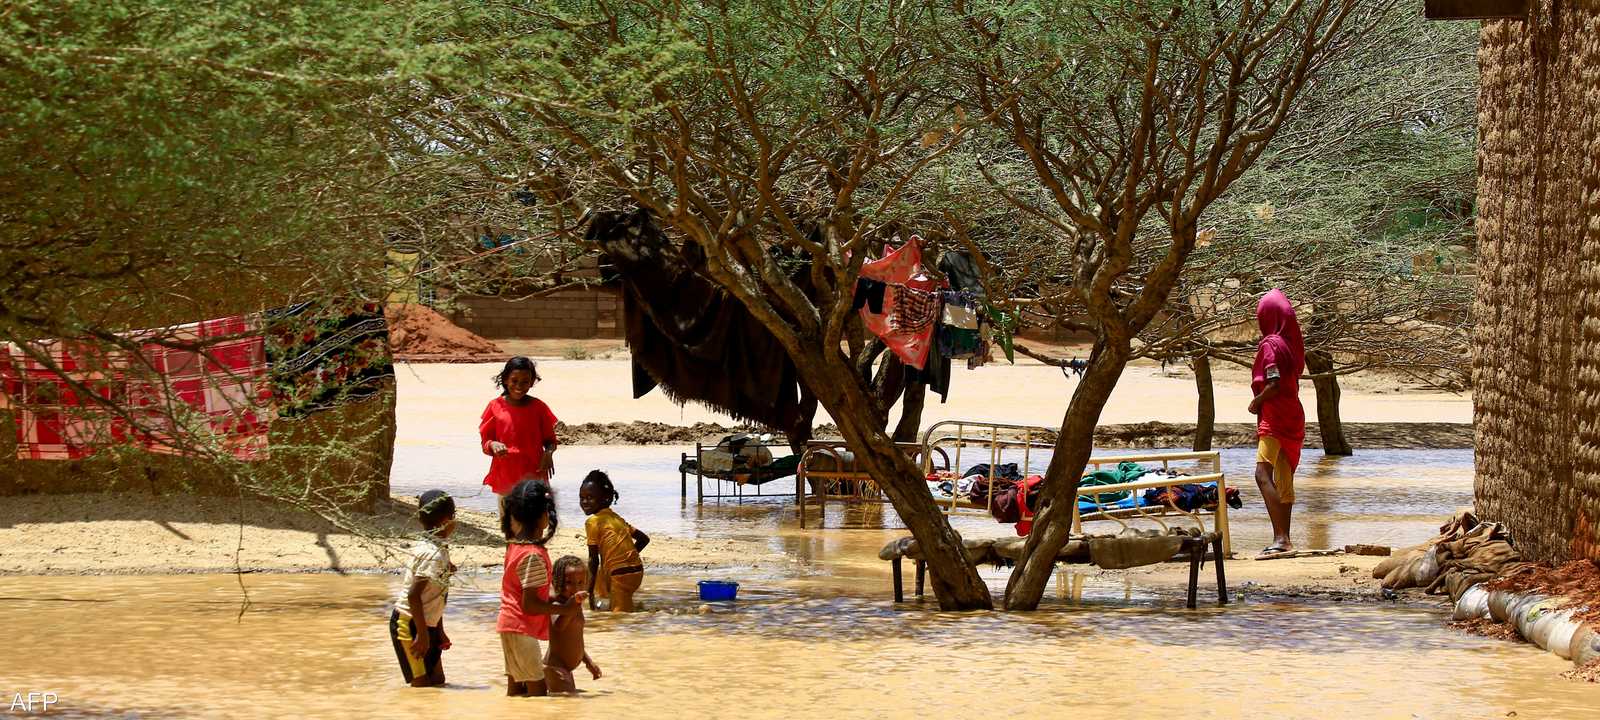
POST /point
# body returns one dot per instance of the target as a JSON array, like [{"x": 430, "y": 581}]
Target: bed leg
[
  {"x": 1222, "y": 577},
  {"x": 1196, "y": 552},
  {"x": 899, "y": 586},
  {"x": 922, "y": 574}
]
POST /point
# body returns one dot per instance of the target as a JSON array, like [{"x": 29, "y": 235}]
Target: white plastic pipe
[{"x": 1539, "y": 618}]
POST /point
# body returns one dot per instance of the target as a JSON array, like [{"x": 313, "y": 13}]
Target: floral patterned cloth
[{"x": 322, "y": 355}]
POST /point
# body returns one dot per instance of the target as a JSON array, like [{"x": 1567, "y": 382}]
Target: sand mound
[{"x": 416, "y": 330}]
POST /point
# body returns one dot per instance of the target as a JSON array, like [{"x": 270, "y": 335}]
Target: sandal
[{"x": 1272, "y": 551}]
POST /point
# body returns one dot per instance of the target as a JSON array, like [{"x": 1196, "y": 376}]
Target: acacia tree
[
  {"x": 175, "y": 162},
  {"x": 746, "y": 128},
  {"x": 1149, "y": 112},
  {"x": 1362, "y": 213}
]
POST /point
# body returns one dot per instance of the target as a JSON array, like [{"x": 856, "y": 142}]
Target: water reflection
[{"x": 1393, "y": 497}]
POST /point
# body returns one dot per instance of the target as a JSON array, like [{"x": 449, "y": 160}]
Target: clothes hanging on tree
[
  {"x": 962, "y": 272},
  {"x": 915, "y": 310},
  {"x": 322, "y": 355},
  {"x": 869, "y": 294},
  {"x": 910, "y": 307},
  {"x": 959, "y": 336},
  {"x": 693, "y": 340},
  {"x": 234, "y": 376},
  {"x": 936, "y": 374}
]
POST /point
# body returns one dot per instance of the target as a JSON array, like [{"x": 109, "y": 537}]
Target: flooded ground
[
  {"x": 811, "y": 636},
  {"x": 1386, "y": 497},
  {"x": 315, "y": 646}
]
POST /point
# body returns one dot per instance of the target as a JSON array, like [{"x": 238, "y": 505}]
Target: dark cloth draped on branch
[
  {"x": 692, "y": 338},
  {"x": 325, "y": 354}
]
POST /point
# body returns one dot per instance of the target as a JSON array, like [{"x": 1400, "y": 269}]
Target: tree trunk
[
  {"x": 911, "y": 404},
  {"x": 1320, "y": 364},
  {"x": 955, "y": 580},
  {"x": 1052, "y": 526},
  {"x": 1205, "y": 424}
]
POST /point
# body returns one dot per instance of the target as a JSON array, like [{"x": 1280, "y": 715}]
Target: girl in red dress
[{"x": 518, "y": 430}]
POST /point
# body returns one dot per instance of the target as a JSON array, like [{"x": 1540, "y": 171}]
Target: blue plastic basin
[{"x": 714, "y": 590}]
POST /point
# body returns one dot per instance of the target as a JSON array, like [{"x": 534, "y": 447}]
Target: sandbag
[
  {"x": 1474, "y": 604},
  {"x": 1400, "y": 557},
  {"x": 748, "y": 449},
  {"x": 1010, "y": 548},
  {"x": 1526, "y": 610},
  {"x": 1562, "y": 629},
  {"x": 898, "y": 547},
  {"x": 1539, "y": 622},
  {"x": 978, "y": 551},
  {"x": 837, "y": 461},
  {"x": 1417, "y": 569},
  {"x": 1500, "y": 605},
  {"x": 1585, "y": 646}
]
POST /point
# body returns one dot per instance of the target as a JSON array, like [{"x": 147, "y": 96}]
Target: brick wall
[{"x": 586, "y": 313}]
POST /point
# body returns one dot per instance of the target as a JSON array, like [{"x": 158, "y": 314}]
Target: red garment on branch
[
  {"x": 222, "y": 381},
  {"x": 910, "y": 307}
]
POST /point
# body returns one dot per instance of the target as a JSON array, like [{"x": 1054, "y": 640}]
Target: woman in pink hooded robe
[{"x": 1281, "y": 428}]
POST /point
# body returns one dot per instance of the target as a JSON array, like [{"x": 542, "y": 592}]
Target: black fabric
[
  {"x": 869, "y": 294},
  {"x": 935, "y": 371},
  {"x": 1007, "y": 471},
  {"x": 691, "y": 338},
  {"x": 430, "y": 661},
  {"x": 962, "y": 272}
]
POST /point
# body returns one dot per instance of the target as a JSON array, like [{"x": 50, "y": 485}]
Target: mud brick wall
[
  {"x": 588, "y": 313},
  {"x": 1536, "y": 346}
]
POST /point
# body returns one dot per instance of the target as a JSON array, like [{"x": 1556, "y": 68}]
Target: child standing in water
[
  {"x": 1281, "y": 428},
  {"x": 529, "y": 521},
  {"x": 566, "y": 633},
  {"x": 615, "y": 570},
  {"x": 517, "y": 430},
  {"x": 416, "y": 625}
]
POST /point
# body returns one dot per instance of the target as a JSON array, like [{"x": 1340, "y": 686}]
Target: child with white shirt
[{"x": 416, "y": 627}]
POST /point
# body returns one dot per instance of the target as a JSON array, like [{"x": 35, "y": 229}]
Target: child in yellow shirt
[{"x": 615, "y": 570}]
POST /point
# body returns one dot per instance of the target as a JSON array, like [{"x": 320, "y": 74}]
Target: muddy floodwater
[
  {"x": 1385, "y": 497},
  {"x": 811, "y": 636},
  {"x": 315, "y": 646},
  {"x": 820, "y": 641}
]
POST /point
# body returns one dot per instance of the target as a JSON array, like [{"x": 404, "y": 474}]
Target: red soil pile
[
  {"x": 1578, "y": 580},
  {"x": 416, "y": 330},
  {"x": 1487, "y": 627},
  {"x": 1587, "y": 673}
]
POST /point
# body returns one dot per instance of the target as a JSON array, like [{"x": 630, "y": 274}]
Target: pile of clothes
[
  {"x": 1014, "y": 499},
  {"x": 1191, "y": 496}
]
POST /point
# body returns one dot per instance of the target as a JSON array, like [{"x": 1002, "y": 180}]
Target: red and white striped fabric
[{"x": 204, "y": 381}]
